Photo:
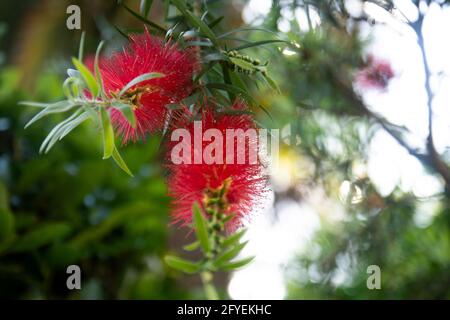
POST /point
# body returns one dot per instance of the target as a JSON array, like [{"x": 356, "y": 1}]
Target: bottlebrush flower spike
[
  {"x": 375, "y": 75},
  {"x": 145, "y": 54},
  {"x": 234, "y": 188}
]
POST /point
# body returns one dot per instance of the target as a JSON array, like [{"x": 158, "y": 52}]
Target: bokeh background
[{"x": 351, "y": 188}]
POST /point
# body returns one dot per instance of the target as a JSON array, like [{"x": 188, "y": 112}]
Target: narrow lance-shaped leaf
[
  {"x": 53, "y": 136},
  {"x": 138, "y": 79},
  {"x": 75, "y": 123},
  {"x": 98, "y": 75},
  {"x": 271, "y": 83},
  {"x": 145, "y": 7},
  {"x": 232, "y": 89},
  {"x": 66, "y": 128},
  {"x": 202, "y": 26},
  {"x": 146, "y": 21},
  {"x": 38, "y": 104},
  {"x": 237, "y": 81},
  {"x": 192, "y": 246},
  {"x": 62, "y": 129},
  {"x": 201, "y": 229},
  {"x": 120, "y": 162},
  {"x": 88, "y": 77},
  {"x": 216, "y": 56},
  {"x": 215, "y": 22},
  {"x": 170, "y": 32},
  {"x": 71, "y": 87},
  {"x": 199, "y": 44},
  {"x": 81, "y": 47},
  {"x": 73, "y": 73},
  {"x": 239, "y": 91},
  {"x": 181, "y": 264},
  {"x": 61, "y": 106},
  {"x": 108, "y": 134},
  {"x": 230, "y": 254},
  {"x": 258, "y": 43},
  {"x": 237, "y": 264},
  {"x": 196, "y": 21},
  {"x": 126, "y": 110},
  {"x": 122, "y": 33},
  {"x": 233, "y": 239},
  {"x": 246, "y": 29}
]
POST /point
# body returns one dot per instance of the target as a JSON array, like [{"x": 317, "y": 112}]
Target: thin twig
[{"x": 435, "y": 160}]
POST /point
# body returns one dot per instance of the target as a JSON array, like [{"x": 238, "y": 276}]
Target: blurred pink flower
[{"x": 375, "y": 75}]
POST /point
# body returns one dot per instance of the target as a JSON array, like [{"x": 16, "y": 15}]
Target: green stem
[{"x": 208, "y": 285}]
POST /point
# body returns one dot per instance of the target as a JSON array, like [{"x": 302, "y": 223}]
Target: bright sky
[{"x": 275, "y": 241}]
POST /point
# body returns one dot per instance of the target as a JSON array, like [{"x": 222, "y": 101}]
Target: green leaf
[
  {"x": 230, "y": 254},
  {"x": 257, "y": 43},
  {"x": 227, "y": 80},
  {"x": 196, "y": 21},
  {"x": 72, "y": 73},
  {"x": 237, "y": 81},
  {"x": 238, "y": 91},
  {"x": 215, "y": 22},
  {"x": 170, "y": 32},
  {"x": 226, "y": 34},
  {"x": 231, "y": 216},
  {"x": 138, "y": 79},
  {"x": 37, "y": 104},
  {"x": 88, "y": 77},
  {"x": 120, "y": 162},
  {"x": 199, "y": 44},
  {"x": 271, "y": 83},
  {"x": 42, "y": 235},
  {"x": 108, "y": 134},
  {"x": 192, "y": 246},
  {"x": 232, "y": 89},
  {"x": 204, "y": 70},
  {"x": 201, "y": 229},
  {"x": 144, "y": 20},
  {"x": 71, "y": 87},
  {"x": 216, "y": 56},
  {"x": 98, "y": 75},
  {"x": 57, "y": 107},
  {"x": 237, "y": 264},
  {"x": 233, "y": 239},
  {"x": 123, "y": 34},
  {"x": 181, "y": 264},
  {"x": 81, "y": 46},
  {"x": 145, "y": 7},
  {"x": 54, "y": 134},
  {"x": 73, "y": 124},
  {"x": 126, "y": 110}
]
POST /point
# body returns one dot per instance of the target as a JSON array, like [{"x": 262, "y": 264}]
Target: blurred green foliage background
[{"x": 71, "y": 207}]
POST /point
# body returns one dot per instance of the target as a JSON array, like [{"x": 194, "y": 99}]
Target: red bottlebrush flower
[
  {"x": 241, "y": 184},
  {"x": 144, "y": 54},
  {"x": 375, "y": 75}
]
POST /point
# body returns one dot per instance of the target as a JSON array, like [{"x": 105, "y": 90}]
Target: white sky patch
[
  {"x": 405, "y": 102},
  {"x": 273, "y": 241},
  {"x": 255, "y": 11}
]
